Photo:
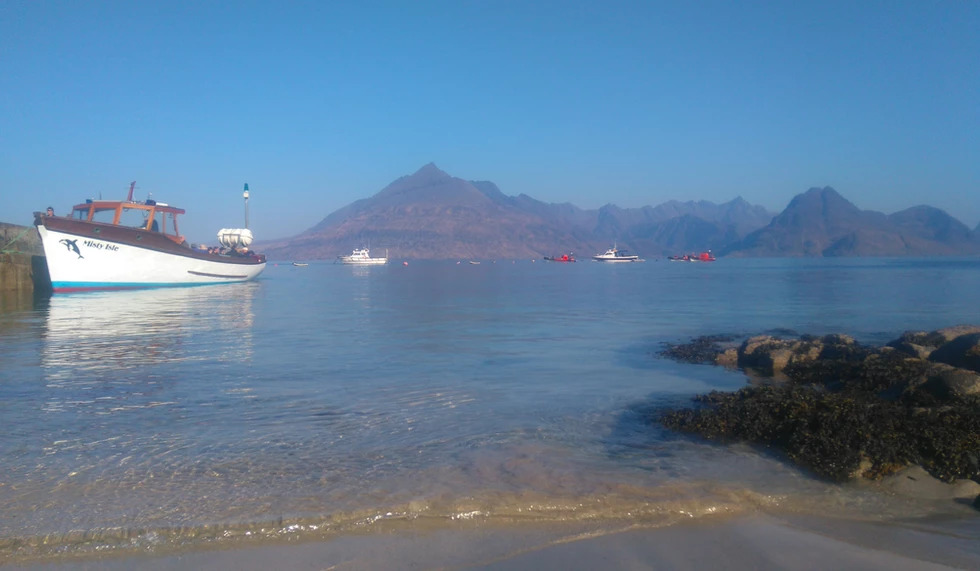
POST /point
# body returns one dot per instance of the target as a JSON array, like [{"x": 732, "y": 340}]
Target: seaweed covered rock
[
  {"x": 922, "y": 343},
  {"x": 845, "y": 410},
  {"x": 770, "y": 356},
  {"x": 706, "y": 349},
  {"x": 962, "y": 352},
  {"x": 944, "y": 383}
]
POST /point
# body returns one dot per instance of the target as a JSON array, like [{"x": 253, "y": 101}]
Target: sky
[{"x": 318, "y": 104}]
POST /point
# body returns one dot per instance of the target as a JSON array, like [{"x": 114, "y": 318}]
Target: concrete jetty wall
[{"x": 22, "y": 264}]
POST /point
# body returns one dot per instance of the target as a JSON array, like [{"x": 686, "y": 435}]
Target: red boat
[
  {"x": 562, "y": 258},
  {"x": 702, "y": 257}
]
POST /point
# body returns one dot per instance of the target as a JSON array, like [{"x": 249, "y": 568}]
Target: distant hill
[
  {"x": 680, "y": 227},
  {"x": 820, "y": 222},
  {"x": 432, "y": 215}
]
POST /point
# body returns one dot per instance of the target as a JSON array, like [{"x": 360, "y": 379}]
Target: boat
[
  {"x": 362, "y": 257},
  {"x": 562, "y": 258},
  {"x": 616, "y": 255},
  {"x": 702, "y": 257},
  {"x": 300, "y": 264},
  {"x": 126, "y": 244}
]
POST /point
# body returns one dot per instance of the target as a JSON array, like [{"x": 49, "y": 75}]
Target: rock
[
  {"x": 728, "y": 358},
  {"x": 700, "y": 350},
  {"x": 850, "y": 411},
  {"x": 907, "y": 345},
  {"x": 915, "y": 482},
  {"x": 946, "y": 382},
  {"x": 779, "y": 357},
  {"x": 864, "y": 469},
  {"x": 769, "y": 355},
  {"x": 949, "y": 333},
  {"x": 962, "y": 351},
  {"x": 753, "y": 353},
  {"x": 921, "y": 343}
]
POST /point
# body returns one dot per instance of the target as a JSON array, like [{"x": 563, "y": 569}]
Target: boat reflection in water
[{"x": 126, "y": 330}]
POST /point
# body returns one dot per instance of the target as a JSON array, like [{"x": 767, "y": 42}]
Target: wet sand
[{"x": 757, "y": 541}]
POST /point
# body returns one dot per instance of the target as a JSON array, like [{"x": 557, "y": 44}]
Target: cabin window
[
  {"x": 159, "y": 223},
  {"x": 172, "y": 221},
  {"x": 134, "y": 218},
  {"x": 105, "y": 215}
]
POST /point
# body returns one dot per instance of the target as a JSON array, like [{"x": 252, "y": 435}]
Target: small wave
[{"x": 660, "y": 506}]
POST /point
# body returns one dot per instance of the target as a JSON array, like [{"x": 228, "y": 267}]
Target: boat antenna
[
  {"x": 132, "y": 185},
  {"x": 246, "y": 204}
]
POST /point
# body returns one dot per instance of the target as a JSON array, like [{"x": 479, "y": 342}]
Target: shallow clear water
[{"x": 325, "y": 398}]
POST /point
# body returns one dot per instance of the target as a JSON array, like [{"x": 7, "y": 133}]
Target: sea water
[{"x": 329, "y": 399}]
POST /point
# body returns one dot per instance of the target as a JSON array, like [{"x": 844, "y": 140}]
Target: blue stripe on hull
[{"x": 73, "y": 287}]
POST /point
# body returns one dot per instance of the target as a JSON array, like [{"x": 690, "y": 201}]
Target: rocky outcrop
[
  {"x": 922, "y": 343},
  {"x": 846, "y": 410},
  {"x": 962, "y": 352}
]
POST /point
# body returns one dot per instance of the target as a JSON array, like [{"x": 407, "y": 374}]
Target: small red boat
[
  {"x": 702, "y": 257},
  {"x": 562, "y": 258}
]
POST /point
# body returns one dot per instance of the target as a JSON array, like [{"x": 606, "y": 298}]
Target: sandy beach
[{"x": 757, "y": 541}]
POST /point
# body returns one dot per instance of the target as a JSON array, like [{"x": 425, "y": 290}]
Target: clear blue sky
[{"x": 317, "y": 104}]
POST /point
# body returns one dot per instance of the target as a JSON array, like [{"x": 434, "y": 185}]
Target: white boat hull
[
  {"x": 364, "y": 262},
  {"x": 615, "y": 260},
  {"x": 81, "y": 263}
]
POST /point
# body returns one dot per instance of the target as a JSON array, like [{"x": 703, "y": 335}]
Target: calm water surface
[{"x": 322, "y": 400}]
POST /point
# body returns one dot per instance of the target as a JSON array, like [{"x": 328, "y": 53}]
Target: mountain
[
  {"x": 820, "y": 222},
  {"x": 432, "y": 215},
  {"x": 933, "y": 226},
  {"x": 680, "y": 227}
]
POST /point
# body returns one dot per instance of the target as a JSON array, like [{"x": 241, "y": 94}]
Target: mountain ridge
[{"x": 430, "y": 214}]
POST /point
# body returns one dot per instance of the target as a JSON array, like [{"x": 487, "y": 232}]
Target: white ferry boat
[
  {"x": 362, "y": 256},
  {"x": 615, "y": 255}
]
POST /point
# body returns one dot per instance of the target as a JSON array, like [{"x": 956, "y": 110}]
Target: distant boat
[
  {"x": 615, "y": 255},
  {"x": 562, "y": 258},
  {"x": 702, "y": 257},
  {"x": 362, "y": 257},
  {"x": 300, "y": 264},
  {"x": 474, "y": 262}
]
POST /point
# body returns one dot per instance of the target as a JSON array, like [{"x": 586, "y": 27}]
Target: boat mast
[{"x": 246, "y": 205}]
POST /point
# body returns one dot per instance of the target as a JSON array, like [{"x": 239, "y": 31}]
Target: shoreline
[{"x": 755, "y": 540}]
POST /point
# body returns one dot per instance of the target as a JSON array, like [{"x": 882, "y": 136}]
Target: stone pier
[{"x": 23, "y": 270}]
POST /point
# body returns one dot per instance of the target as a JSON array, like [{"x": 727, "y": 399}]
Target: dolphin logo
[{"x": 72, "y": 247}]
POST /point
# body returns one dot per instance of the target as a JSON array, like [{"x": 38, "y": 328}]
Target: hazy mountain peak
[
  {"x": 428, "y": 174},
  {"x": 933, "y": 223},
  {"x": 825, "y": 194},
  {"x": 821, "y": 203},
  {"x": 429, "y": 169}
]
